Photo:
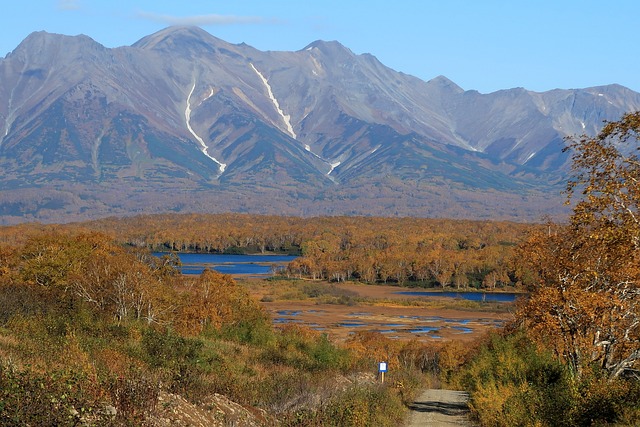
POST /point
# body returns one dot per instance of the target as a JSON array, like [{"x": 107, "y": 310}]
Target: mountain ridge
[{"x": 184, "y": 121}]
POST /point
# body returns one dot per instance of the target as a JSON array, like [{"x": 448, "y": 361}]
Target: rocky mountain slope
[{"x": 183, "y": 121}]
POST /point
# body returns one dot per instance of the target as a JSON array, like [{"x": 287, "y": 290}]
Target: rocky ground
[{"x": 217, "y": 411}]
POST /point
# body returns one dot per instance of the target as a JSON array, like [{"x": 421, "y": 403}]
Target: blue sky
[{"x": 486, "y": 45}]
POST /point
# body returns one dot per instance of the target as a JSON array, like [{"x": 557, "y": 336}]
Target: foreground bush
[
  {"x": 372, "y": 405},
  {"x": 513, "y": 382},
  {"x": 60, "y": 398}
]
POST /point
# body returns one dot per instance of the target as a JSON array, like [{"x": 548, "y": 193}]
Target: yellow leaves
[
  {"x": 586, "y": 271},
  {"x": 374, "y": 347},
  {"x": 490, "y": 401},
  {"x": 451, "y": 356},
  {"x": 214, "y": 300},
  {"x": 75, "y": 357}
]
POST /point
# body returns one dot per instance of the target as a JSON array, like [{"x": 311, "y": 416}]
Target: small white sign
[{"x": 383, "y": 367}]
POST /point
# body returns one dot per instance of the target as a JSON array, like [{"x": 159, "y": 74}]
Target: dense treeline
[
  {"x": 460, "y": 254},
  {"x": 94, "y": 333},
  {"x": 422, "y": 252}
]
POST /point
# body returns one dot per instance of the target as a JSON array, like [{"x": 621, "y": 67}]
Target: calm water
[
  {"x": 471, "y": 296},
  {"x": 260, "y": 265}
]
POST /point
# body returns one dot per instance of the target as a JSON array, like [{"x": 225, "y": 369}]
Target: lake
[
  {"x": 255, "y": 265},
  {"x": 471, "y": 296}
]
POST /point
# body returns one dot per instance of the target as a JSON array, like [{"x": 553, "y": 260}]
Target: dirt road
[{"x": 439, "y": 408}]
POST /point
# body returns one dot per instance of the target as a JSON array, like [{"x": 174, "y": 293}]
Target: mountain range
[{"x": 182, "y": 121}]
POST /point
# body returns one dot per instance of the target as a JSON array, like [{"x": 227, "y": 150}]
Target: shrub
[
  {"x": 19, "y": 300},
  {"x": 134, "y": 396},
  {"x": 257, "y": 332},
  {"x": 602, "y": 401},
  {"x": 513, "y": 382},
  {"x": 180, "y": 360},
  {"x": 326, "y": 355},
  {"x": 305, "y": 349},
  {"x": 61, "y": 398},
  {"x": 358, "y": 406}
]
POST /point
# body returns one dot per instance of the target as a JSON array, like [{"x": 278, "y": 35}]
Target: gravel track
[{"x": 439, "y": 408}]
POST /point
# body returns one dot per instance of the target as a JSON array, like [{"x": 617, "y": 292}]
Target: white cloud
[
  {"x": 198, "y": 20},
  {"x": 68, "y": 4}
]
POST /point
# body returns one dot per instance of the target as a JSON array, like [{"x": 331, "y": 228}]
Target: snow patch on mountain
[
  {"x": 205, "y": 149},
  {"x": 530, "y": 157},
  {"x": 333, "y": 166},
  {"x": 317, "y": 65},
  {"x": 285, "y": 117},
  {"x": 212, "y": 92},
  {"x": 8, "y": 120},
  {"x": 6, "y": 130}
]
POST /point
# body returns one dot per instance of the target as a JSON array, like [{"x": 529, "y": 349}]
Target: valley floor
[{"x": 382, "y": 309}]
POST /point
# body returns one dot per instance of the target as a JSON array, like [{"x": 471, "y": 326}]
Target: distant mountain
[{"x": 182, "y": 121}]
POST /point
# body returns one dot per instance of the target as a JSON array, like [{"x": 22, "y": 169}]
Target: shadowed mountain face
[{"x": 182, "y": 121}]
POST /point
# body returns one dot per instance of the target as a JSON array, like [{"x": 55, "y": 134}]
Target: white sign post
[{"x": 382, "y": 368}]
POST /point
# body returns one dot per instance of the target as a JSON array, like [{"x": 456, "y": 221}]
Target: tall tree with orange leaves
[{"x": 586, "y": 298}]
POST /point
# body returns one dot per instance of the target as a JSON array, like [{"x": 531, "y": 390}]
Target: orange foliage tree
[
  {"x": 90, "y": 266},
  {"x": 585, "y": 301},
  {"x": 215, "y": 300}
]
